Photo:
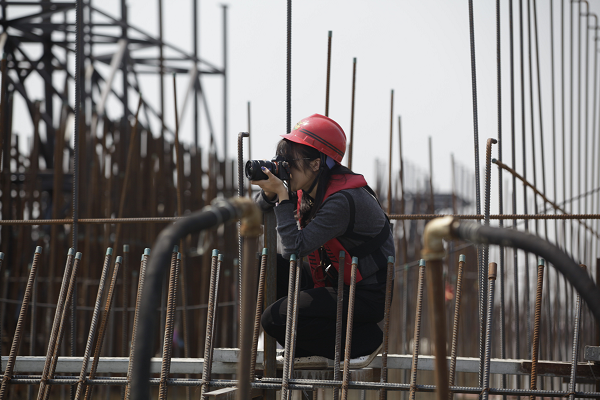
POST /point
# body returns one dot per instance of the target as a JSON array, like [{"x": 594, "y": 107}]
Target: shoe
[
  {"x": 362, "y": 361},
  {"x": 311, "y": 362}
]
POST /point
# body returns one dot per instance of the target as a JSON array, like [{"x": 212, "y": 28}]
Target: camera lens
[{"x": 254, "y": 172}]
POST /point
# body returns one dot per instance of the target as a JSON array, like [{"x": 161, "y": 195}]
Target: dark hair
[{"x": 299, "y": 156}]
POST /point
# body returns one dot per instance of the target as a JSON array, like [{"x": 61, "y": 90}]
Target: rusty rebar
[
  {"x": 453, "y": 351},
  {"x": 492, "y": 273},
  {"x": 16, "y": 343},
  {"x": 60, "y": 305},
  {"x": 349, "y": 324},
  {"x": 575, "y": 349},
  {"x": 259, "y": 307},
  {"x": 288, "y": 357},
  {"x": 169, "y": 326},
  {"x": 240, "y": 192},
  {"x": 389, "y": 187},
  {"x": 338, "y": 322},
  {"x": 248, "y": 303},
  {"x": 351, "y": 145},
  {"x": 536, "y": 326},
  {"x": 417, "y": 336},
  {"x": 103, "y": 324},
  {"x": 210, "y": 318},
  {"x": 44, "y": 392},
  {"x": 386, "y": 325},
  {"x": 142, "y": 277},
  {"x": 93, "y": 325},
  {"x": 329, "y": 34}
]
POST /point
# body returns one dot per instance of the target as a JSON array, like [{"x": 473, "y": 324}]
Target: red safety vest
[{"x": 333, "y": 246}]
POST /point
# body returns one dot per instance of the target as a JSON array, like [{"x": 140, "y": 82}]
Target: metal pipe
[
  {"x": 349, "y": 325},
  {"x": 536, "y": 326},
  {"x": 453, "y": 351},
  {"x": 329, "y": 34},
  {"x": 221, "y": 212},
  {"x": 259, "y": 309},
  {"x": 169, "y": 325},
  {"x": 288, "y": 356},
  {"x": 417, "y": 336},
  {"x": 338, "y": 321},
  {"x": 94, "y": 323},
  {"x": 210, "y": 319},
  {"x": 386, "y": 325},
  {"x": 16, "y": 343},
  {"x": 488, "y": 336}
]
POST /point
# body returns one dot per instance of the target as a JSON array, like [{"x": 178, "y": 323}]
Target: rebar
[
  {"x": 417, "y": 335},
  {"x": 44, "y": 392},
  {"x": 338, "y": 321},
  {"x": 93, "y": 325},
  {"x": 488, "y": 330},
  {"x": 329, "y": 34},
  {"x": 240, "y": 192},
  {"x": 386, "y": 325},
  {"x": 259, "y": 309},
  {"x": 60, "y": 306},
  {"x": 351, "y": 145},
  {"x": 389, "y": 186},
  {"x": 458, "y": 296},
  {"x": 297, "y": 277},
  {"x": 349, "y": 326},
  {"x": 169, "y": 325},
  {"x": 536, "y": 326},
  {"x": 210, "y": 318},
  {"x": 142, "y": 277},
  {"x": 288, "y": 357},
  {"x": 16, "y": 343},
  {"x": 575, "y": 349}
]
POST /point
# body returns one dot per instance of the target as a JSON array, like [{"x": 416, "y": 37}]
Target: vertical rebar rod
[
  {"x": 92, "y": 331},
  {"x": 329, "y": 34},
  {"x": 259, "y": 309},
  {"x": 16, "y": 343},
  {"x": 125, "y": 315},
  {"x": 288, "y": 357},
  {"x": 210, "y": 318},
  {"x": 488, "y": 336},
  {"x": 44, "y": 392},
  {"x": 288, "y": 78},
  {"x": 431, "y": 197},
  {"x": 240, "y": 192},
  {"x": 575, "y": 349},
  {"x": 458, "y": 296},
  {"x": 386, "y": 325},
  {"x": 349, "y": 325},
  {"x": 295, "y": 318},
  {"x": 225, "y": 68},
  {"x": 485, "y": 249},
  {"x": 248, "y": 303},
  {"x": 417, "y": 335},
  {"x": 351, "y": 146},
  {"x": 536, "y": 326},
  {"x": 389, "y": 186},
  {"x": 102, "y": 330},
  {"x": 339, "y": 322},
  {"x": 2, "y": 283},
  {"x": 169, "y": 325},
  {"x": 142, "y": 278}
]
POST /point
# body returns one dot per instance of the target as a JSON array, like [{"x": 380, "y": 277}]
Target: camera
[{"x": 278, "y": 167}]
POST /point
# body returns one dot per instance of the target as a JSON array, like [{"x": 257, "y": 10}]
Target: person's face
[{"x": 302, "y": 178}]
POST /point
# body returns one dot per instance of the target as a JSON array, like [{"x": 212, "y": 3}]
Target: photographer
[{"x": 325, "y": 209}]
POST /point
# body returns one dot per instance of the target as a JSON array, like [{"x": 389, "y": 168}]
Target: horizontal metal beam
[{"x": 225, "y": 362}]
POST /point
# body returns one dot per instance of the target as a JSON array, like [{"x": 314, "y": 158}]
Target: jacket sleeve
[
  {"x": 330, "y": 222},
  {"x": 263, "y": 202}
]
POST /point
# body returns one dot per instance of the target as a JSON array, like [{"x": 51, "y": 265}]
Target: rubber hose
[
  {"x": 155, "y": 273},
  {"x": 580, "y": 280}
]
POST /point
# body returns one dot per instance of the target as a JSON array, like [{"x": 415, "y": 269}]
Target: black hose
[
  {"x": 155, "y": 273},
  {"x": 580, "y": 280}
]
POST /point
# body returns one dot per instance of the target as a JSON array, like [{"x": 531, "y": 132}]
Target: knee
[{"x": 272, "y": 319}]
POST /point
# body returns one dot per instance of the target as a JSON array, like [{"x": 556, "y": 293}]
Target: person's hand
[{"x": 273, "y": 186}]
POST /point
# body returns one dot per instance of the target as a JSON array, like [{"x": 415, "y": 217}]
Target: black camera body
[{"x": 278, "y": 167}]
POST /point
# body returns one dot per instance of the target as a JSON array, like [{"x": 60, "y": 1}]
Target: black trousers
[{"x": 315, "y": 334}]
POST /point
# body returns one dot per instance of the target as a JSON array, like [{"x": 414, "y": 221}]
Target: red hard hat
[{"x": 322, "y": 133}]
